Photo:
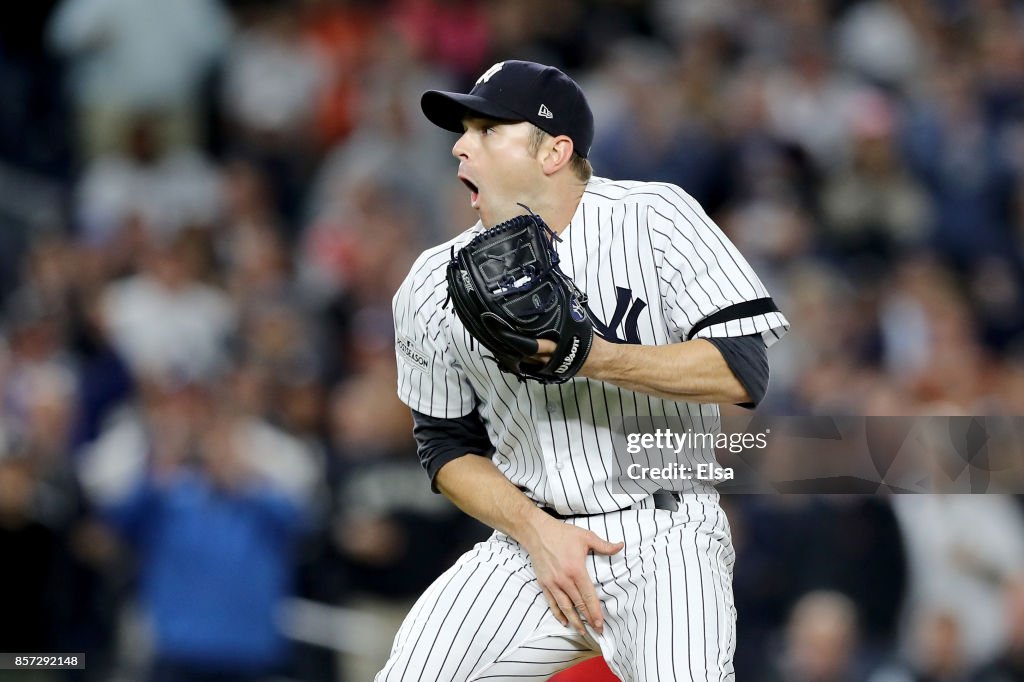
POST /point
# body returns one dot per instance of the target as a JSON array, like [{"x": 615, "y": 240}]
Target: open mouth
[{"x": 474, "y": 191}]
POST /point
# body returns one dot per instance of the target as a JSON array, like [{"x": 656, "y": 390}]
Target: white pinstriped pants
[{"x": 667, "y": 598}]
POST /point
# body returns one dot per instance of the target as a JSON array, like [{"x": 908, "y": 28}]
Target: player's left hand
[
  {"x": 544, "y": 350},
  {"x": 598, "y": 351},
  {"x": 506, "y": 287}
]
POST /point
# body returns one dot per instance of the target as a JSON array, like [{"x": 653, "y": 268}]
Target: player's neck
[{"x": 558, "y": 208}]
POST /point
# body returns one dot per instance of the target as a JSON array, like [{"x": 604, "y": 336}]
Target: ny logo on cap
[
  {"x": 545, "y": 112},
  {"x": 490, "y": 72}
]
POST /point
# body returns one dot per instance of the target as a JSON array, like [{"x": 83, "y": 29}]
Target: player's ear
[{"x": 556, "y": 154}]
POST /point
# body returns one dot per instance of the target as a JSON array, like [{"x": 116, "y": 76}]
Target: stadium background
[{"x": 206, "y": 206}]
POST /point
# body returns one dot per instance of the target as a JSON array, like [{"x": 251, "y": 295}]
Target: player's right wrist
[{"x": 528, "y": 529}]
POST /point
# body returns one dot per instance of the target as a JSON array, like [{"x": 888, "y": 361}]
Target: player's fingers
[
  {"x": 556, "y": 610},
  {"x": 546, "y": 347},
  {"x": 601, "y": 546},
  {"x": 523, "y": 344},
  {"x": 591, "y": 604},
  {"x": 568, "y": 602}
]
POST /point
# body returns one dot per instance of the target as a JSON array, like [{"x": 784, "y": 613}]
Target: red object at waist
[{"x": 591, "y": 670}]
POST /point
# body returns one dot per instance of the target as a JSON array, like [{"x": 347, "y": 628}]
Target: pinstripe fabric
[
  {"x": 649, "y": 239},
  {"x": 667, "y": 599},
  {"x": 654, "y": 266}
]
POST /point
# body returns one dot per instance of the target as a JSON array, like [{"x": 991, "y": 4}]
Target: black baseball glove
[{"x": 508, "y": 291}]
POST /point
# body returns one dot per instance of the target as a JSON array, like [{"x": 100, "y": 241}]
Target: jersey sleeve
[
  {"x": 708, "y": 289},
  {"x": 429, "y": 380}
]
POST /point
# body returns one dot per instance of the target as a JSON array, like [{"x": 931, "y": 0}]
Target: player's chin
[
  {"x": 491, "y": 216},
  {"x": 488, "y": 216}
]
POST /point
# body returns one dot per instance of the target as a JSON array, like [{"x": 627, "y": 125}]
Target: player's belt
[{"x": 663, "y": 499}]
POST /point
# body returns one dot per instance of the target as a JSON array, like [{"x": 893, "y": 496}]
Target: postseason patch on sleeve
[{"x": 407, "y": 349}]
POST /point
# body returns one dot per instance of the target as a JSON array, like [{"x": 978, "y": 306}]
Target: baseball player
[{"x": 576, "y": 567}]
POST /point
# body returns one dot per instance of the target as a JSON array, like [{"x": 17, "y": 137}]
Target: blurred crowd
[{"x": 206, "y": 206}]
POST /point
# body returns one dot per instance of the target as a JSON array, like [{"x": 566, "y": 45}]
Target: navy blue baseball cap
[{"x": 519, "y": 91}]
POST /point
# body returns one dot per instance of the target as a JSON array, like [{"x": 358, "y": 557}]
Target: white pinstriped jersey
[{"x": 654, "y": 266}]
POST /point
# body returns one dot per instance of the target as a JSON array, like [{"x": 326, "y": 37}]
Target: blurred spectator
[
  {"x": 272, "y": 80},
  {"x": 164, "y": 321},
  {"x": 770, "y": 197},
  {"x": 35, "y": 363},
  {"x": 1001, "y": 67},
  {"x": 166, "y": 189},
  {"x": 790, "y": 546},
  {"x": 928, "y": 341},
  {"x": 676, "y": 20},
  {"x": 342, "y": 34},
  {"x": 390, "y": 146},
  {"x": 249, "y": 205},
  {"x": 1009, "y": 664},
  {"x": 961, "y": 549},
  {"x": 215, "y": 543},
  {"x": 859, "y": 553},
  {"x": 117, "y": 460},
  {"x": 280, "y": 339},
  {"x": 51, "y": 327},
  {"x": 809, "y": 103},
  {"x": 937, "y": 654},
  {"x": 656, "y": 134},
  {"x": 997, "y": 296},
  {"x": 821, "y": 641},
  {"x": 353, "y": 259},
  {"x": 54, "y": 592},
  {"x": 293, "y": 466},
  {"x": 105, "y": 380},
  {"x": 824, "y": 370},
  {"x": 31, "y": 612},
  {"x": 878, "y": 39},
  {"x": 873, "y": 208},
  {"x": 271, "y": 76},
  {"x": 128, "y": 56},
  {"x": 452, "y": 33},
  {"x": 963, "y": 165},
  {"x": 259, "y": 266},
  {"x": 767, "y": 535},
  {"x": 34, "y": 114}
]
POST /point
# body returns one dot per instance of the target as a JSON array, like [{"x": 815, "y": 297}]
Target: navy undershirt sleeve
[
  {"x": 747, "y": 357},
  {"x": 439, "y": 441}
]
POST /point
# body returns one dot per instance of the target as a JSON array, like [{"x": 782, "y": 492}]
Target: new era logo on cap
[{"x": 514, "y": 91}]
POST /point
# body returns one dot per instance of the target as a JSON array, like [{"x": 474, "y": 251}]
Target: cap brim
[{"x": 447, "y": 109}]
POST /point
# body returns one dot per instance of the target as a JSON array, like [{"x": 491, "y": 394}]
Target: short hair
[{"x": 579, "y": 165}]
